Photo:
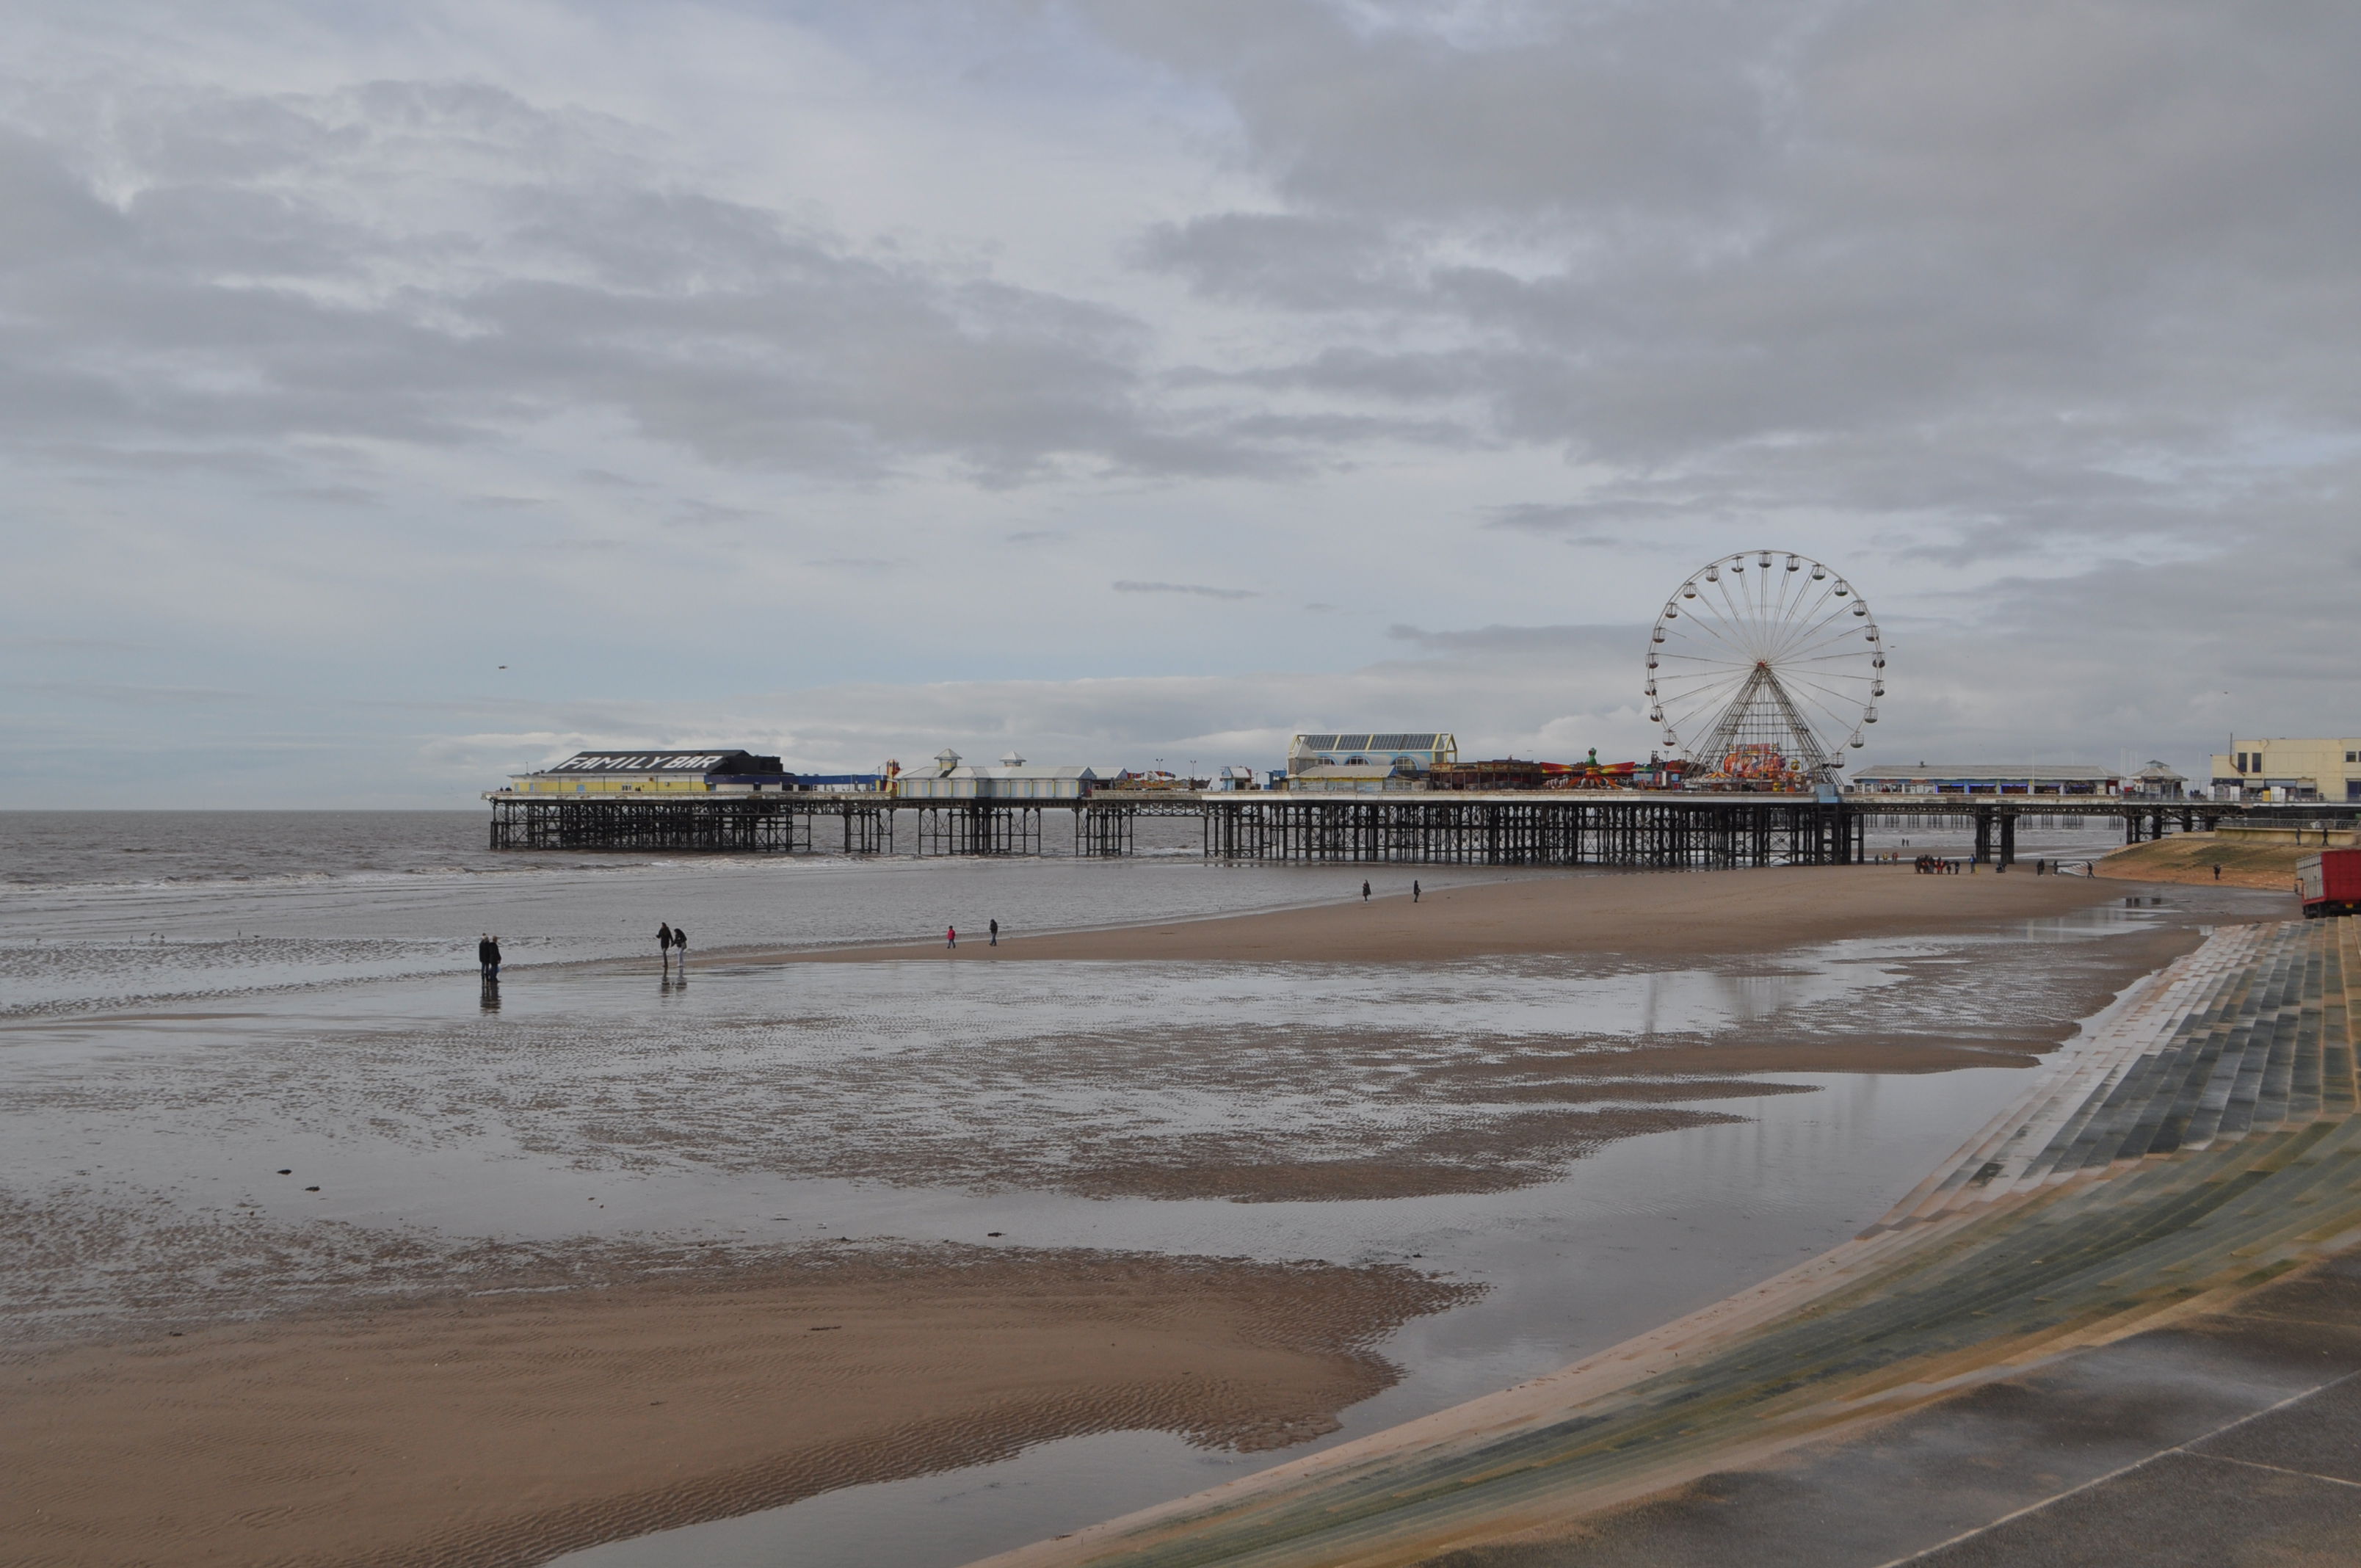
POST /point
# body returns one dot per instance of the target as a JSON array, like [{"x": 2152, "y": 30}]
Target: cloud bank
[{"x": 1018, "y": 373}]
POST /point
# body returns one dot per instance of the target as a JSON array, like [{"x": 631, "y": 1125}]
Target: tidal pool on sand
[{"x": 1637, "y": 1233}]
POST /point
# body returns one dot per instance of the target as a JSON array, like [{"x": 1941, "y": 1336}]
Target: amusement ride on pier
[{"x": 1774, "y": 663}]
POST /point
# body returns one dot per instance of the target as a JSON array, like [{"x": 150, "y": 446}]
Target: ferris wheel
[{"x": 1766, "y": 664}]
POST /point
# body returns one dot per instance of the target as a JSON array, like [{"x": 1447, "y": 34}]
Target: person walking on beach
[
  {"x": 492, "y": 958},
  {"x": 2217, "y": 872},
  {"x": 1365, "y": 893},
  {"x": 950, "y": 935},
  {"x": 995, "y": 935},
  {"x": 663, "y": 942},
  {"x": 484, "y": 953},
  {"x": 1414, "y": 890},
  {"x": 680, "y": 948}
]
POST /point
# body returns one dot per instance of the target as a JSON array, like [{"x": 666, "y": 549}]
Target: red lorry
[{"x": 2330, "y": 882}]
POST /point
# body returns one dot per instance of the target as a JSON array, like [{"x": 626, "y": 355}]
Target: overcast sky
[{"x": 1134, "y": 381}]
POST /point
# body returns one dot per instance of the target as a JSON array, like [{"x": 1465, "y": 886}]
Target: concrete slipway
[{"x": 2117, "y": 1327}]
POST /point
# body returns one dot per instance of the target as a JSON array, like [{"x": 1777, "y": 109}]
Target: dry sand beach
[
  {"x": 498, "y": 1406},
  {"x": 1631, "y": 914}
]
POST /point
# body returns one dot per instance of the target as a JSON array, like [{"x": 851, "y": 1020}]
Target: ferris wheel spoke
[
  {"x": 1710, "y": 625},
  {"x": 1833, "y": 703},
  {"x": 1803, "y": 635},
  {"x": 1750, "y": 644},
  {"x": 1831, "y": 639},
  {"x": 1685, "y": 691},
  {"x": 1809, "y": 602}
]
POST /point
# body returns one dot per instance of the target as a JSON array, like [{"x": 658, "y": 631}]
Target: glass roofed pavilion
[
  {"x": 1988, "y": 778},
  {"x": 1396, "y": 753}
]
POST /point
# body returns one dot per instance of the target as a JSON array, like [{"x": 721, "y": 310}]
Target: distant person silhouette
[
  {"x": 995, "y": 935},
  {"x": 2217, "y": 873},
  {"x": 1414, "y": 890},
  {"x": 680, "y": 947},
  {"x": 493, "y": 945},
  {"x": 663, "y": 942},
  {"x": 950, "y": 935},
  {"x": 484, "y": 953},
  {"x": 1365, "y": 893}
]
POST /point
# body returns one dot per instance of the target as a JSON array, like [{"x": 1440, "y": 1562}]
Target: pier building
[
  {"x": 2157, "y": 781},
  {"x": 2281, "y": 769},
  {"x": 1988, "y": 778},
  {"x": 1391, "y": 753},
  {"x": 658, "y": 772},
  {"x": 1014, "y": 779}
]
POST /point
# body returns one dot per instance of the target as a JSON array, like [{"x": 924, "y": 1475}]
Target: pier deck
[
  {"x": 1663, "y": 829},
  {"x": 1418, "y": 829}
]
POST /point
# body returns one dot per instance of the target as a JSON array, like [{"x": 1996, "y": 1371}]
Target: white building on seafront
[
  {"x": 1987, "y": 778},
  {"x": 1014, "y": 779}
]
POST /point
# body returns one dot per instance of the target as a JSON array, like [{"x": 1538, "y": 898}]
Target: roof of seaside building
[
  {"x": 950, "y": 764},
  {"x": 727, "y": 760},
  {"x": 2009, "y": 773},
  {"x": 1381, "y": 740},
  {"x": 1355, "y": 746}
]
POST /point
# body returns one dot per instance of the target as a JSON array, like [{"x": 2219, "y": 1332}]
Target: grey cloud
[
  {"x": 863, "y": 565},
  {"x": 126, "y": 693},
  {"x": 2071, "y": 268},
  {"x": 1614, "y": 107},
  {"x": 1199, "y": 590},
  {"x": 1512, "y": 640},
  {"x": 332, "y": 495},
  {"x": 1306, "y": 262},
  {"x": 249, "y": 289},
  {"x": 1587, "y": 518}
]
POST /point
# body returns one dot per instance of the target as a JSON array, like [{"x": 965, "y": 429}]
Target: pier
[
  {"x": 1408, "y": 828},
  {"x": 1637, "y": 828}
]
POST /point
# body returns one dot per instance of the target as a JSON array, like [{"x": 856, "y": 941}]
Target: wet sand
[
  {"x": 1687, "y": 914},
  {"x": 503, "y": 1429}
]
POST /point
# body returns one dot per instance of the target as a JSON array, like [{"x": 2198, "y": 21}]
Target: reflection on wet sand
[{"x": 1101, "y": 1123}]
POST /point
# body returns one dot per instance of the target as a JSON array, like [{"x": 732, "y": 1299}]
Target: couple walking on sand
[
  {"x": 488, "y": 954},
  {"x": 951, "y": 935},
  {"x": 670, "y": 939}
]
